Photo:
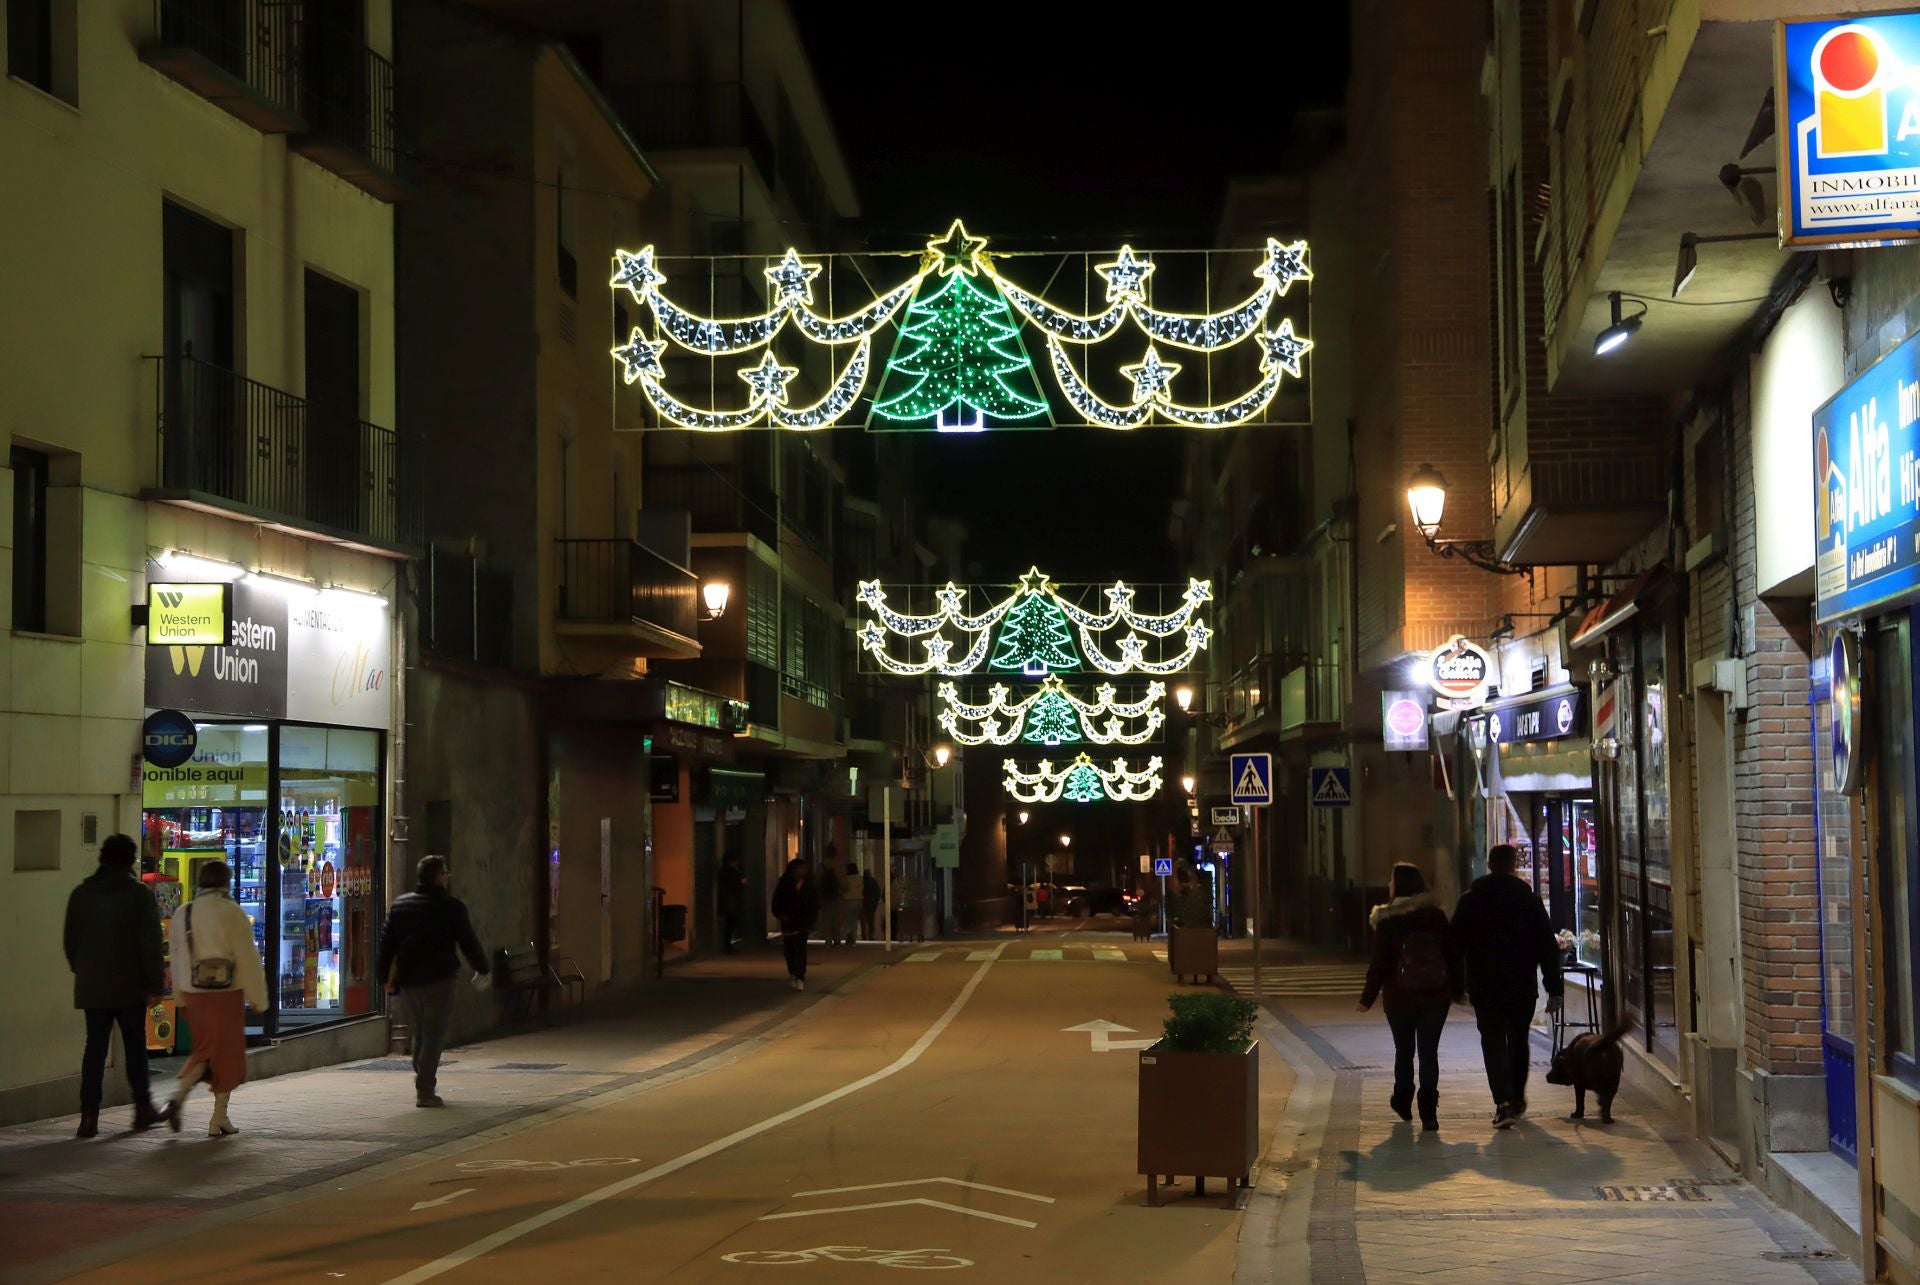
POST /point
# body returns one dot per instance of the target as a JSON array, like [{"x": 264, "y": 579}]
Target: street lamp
[
  {"x": 1427, "y": 500},
  {"x": 941, "y": 753},
  {"x": 1023, "y": 816},
  {"x": 1187, "y": 784},
  {"x": 1183, "y": 697},
  {"x": 715, "y": 594},
  {"x": 1066, "y": 841}
]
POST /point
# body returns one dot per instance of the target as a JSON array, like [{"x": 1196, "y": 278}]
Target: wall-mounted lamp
[
  {"x": 187, "y": 564},
  {"x": 1746, "y": 190},
  {"x": 1066, "y": 841},
  {"x": 1183, "y": 697},
  {"x": 941, "y": 753},
  {"x": 1023, "y": 816},
  {"x": 1187, "y": 783},
  {"x": 1621, "y": 328},
  {"x": 1427, "y": 498},
  {"x": 1688, "y": 262},
  {"x": 714, "y": 593}
]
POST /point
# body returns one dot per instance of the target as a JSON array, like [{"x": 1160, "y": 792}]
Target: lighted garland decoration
[
  {"x": 953, "y": 642},
  {"x": 1005, "y": 720},
  {"x": 965, "y": 352},
  {"x": 1083, "y": 781}
]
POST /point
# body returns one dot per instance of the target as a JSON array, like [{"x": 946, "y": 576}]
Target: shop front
[{"x": 284, "y": 778}]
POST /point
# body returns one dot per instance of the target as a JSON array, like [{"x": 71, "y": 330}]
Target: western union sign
[{"x": 188, "y": 614}]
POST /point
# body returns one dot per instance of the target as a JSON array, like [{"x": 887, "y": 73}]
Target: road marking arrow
[
  {"x": 449, "y": 1198},
  {"x": 1100, "y": 1035},
  {"x": 898, "y": 1204}
]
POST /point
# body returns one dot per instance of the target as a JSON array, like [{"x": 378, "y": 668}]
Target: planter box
[
  {"x": 1199, "y": 1115},
  {"x": 1193, "y": 952}
]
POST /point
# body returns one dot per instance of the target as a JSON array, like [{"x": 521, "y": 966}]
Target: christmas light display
[
  {"x": 1083, "y": 781},
  {"x": 954, "y": 642},
  {"x": 960, "y": 348},
  {"x": 1052, "y": 715}
]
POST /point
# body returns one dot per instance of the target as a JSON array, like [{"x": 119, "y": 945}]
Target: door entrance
[{"x": 1833, "y": 845}]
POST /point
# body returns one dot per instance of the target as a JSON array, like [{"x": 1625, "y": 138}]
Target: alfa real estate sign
[
  {"x": 1866, "y": 472},
  {"x": 1847, "y": 104}
]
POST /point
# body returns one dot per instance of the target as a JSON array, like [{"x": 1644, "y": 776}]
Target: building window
[
  {"x": 30, "y": 474},
  {"x": 43, "y": 46},
  {"x": 36, "y": 840},
  {"x": 763, "y": 614}
]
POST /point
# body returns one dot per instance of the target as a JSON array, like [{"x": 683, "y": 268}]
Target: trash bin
[{"x": 673, "y": 923}]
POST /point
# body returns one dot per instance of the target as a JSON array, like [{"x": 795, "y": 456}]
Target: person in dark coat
[
  {"x": 1502, "y": 935},
  {"x": 419, "y": 959},
  {"x": 1415, "y": 968},
  {"x": 730, "y": 898},
  {"x": 796, "y": 904},
  {"x": 112, "y": 940},
  {"x": 869, "y": 904}
]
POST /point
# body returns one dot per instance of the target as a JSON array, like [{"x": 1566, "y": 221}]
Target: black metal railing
[
  {"x": 665, "y": 117},
  {"x": 718, "y": 499},
  {"x": 348, "y": 95},
  {"x": 625, "y": 582},
  {"x": 223, "y": 435},
  {"x": 257, "y": 42}
]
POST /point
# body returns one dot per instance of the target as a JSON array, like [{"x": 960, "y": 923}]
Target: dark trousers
[
  {"x": 729, "y": 930},
  {"x": 1506, "y": 1047},
  {"x": 869, "y": 917},
  {"x": 795, "y": 945},
  {"x": 93, "y": 1062},
  {"x": 429, "y": 1009},
  {"x": 1419, "y": 1032}
]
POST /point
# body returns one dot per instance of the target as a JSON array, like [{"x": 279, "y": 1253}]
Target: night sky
[{"x": 1081, "y": 132}]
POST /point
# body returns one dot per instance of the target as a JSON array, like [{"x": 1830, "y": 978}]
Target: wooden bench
[{"x": 518, "y": 972}]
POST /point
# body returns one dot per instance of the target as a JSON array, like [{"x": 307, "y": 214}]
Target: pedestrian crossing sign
[
  {"x": 1163, "y": 867},
  {"x": 1251, "y": 776},
  {"x": 1330, "y": 787}
]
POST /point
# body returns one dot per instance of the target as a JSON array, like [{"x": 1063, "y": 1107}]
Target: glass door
[
  {"x": 1833, "y": 846},
  {"x": 325, "y": 856}
]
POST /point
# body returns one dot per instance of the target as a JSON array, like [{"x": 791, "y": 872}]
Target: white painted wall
[{"x": 1801, "y": 366}]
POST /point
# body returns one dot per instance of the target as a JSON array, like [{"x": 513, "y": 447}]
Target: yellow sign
[{"x": 188, "y": 614}]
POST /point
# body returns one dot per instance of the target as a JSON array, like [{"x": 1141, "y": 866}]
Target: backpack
[{"x": 1423, "y": 963}]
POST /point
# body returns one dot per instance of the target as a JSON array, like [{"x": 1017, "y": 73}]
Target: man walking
[
  {"x": 419, "y": 963},
  {"x": 1502, "y": 934},
  {"x": 112, "y": 940}
]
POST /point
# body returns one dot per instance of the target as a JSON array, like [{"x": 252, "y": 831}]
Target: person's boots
[
  {"x": 171, "y": 1113},
  {"x": 218, "y": 1125},
  {"x": 145, "y": 1116},
  {"x": 89, "y": 1125}
]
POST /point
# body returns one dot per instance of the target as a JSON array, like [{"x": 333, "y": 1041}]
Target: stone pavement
[
  {"x": 1371, "y": 1199},
  {"x": 298, "y": 1130}
]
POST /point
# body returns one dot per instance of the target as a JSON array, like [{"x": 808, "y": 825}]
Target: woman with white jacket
[{"x": 208, "y": 929}]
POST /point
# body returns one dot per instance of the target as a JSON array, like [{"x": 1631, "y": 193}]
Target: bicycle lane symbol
[{"x": 926, "y": 1260}]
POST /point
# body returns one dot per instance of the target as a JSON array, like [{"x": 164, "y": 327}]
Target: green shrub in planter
[
  {"x": 1208, "y": 1022},
  {"x": 1191, "y": 909}
]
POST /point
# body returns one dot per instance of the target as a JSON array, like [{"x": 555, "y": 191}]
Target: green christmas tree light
[
  {"x": 1083, "y": 785},
  {"x": 959, "y": 348},
  {"x": 1034, "y": 639},
  {"x": 1052, "y": 720}
]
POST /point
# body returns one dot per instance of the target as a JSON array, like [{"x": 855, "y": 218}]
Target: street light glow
[
  {"x": 1023, "y": 816},
  {"x": 715, "y": 594},
  {"x": 941, "y": 753},
  {"x": 1427, "y": 497},
  {"x": 1187, "y": 783},
  {"x": 1066, "y": 841},
  {"x": 1183, "y": 697}
]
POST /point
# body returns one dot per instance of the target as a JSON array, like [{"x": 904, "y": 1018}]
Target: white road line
[
  {"x": 526, "y": 1226},
  {"x": 922, "y": 957},
  {"x": 897, "y": 1204},
  {"x": 1045, "y": 954},
  {"x": 975, "y": 956},
  {"x": 919, "y": 1182}
]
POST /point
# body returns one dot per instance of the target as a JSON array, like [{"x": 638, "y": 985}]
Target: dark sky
[{"x": 1078, "y": 125}]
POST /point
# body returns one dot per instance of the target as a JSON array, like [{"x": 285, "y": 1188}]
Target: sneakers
[
  {"x": 1507, "y": 1116},
  {"x": 797, "y": 983},
  {"x": 429, "y": 1100}
]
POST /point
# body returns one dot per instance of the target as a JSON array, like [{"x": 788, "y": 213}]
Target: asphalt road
[{"x": 937, "y": 1105}]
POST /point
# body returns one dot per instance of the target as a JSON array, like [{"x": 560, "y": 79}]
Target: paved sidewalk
[
  {"x": 1372, "y": 1199},
  {"x": 297, "y": 1130}
]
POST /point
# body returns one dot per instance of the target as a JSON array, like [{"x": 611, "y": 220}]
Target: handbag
[{"x": 207, "y": 974}]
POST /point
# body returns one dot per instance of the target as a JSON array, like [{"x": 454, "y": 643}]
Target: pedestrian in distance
[
  {"x": 730, "y": 897},
  {"x": 832, "y": 907},
  {"x": 419, "y": 959},
  {"x": 1414, "y": 967},
  {"x": 1502, "y": 936},
  {"x": 216, "y": 967},
  {"x": 853, "y": 892},
  {"x": 869, "y": 905},
  {"x": 796, "y": 905},
  {"x": 112, "y": 941}
]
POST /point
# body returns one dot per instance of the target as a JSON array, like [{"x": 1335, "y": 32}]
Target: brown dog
[{"x": 1591, "y": 1062}]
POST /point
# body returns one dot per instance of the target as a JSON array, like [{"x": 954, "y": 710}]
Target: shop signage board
[
  {"x": 1228, "y": 817},
  {"x": 1847, "y": 120},
  {"x": 1460, "y": 672},
  {"x": 1866, "y": 469},
  {"x": 1403, "y": 719},
  {"x": 1250, "y": 777},
  {"x": 946, "y": 846},
  {"x": 1549, "y": 717},
  {"x": 168, "y": 738},
  {"x": 179, "y": 614},
  {"x": 1330, "y": 787}
]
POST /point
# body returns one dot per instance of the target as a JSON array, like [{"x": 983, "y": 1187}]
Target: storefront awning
[{"x": 1615, "y": 611}]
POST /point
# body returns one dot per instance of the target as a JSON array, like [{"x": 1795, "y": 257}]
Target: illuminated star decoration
[
  {"x": 1150, "y": 376},
  {"x": 641, "y": 356},
  {"x": 1284, "y": 264},
  {"x": 793, "y": 279},
  {"x": 1126, "y": 276},
  {"x": 951, "y": 598},
  {"x": 636, "y": 271},
  {"x": 1283, "y": 348},
  {"x": 769, "y": 378},
  {"x": 956, "y": 251},
  {"x": 1035, "y": 581}
]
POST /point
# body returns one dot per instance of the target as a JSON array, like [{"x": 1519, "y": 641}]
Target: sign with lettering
[
  {"x": 1403, "y": 720},
  {"x": 188, "y": 613},
  {"x": 1461, "y": 672},
  {"x": 1847, "y": 117},
  {"x": 1866, "y": 470},
  {"x": 1547, "y": 717}
]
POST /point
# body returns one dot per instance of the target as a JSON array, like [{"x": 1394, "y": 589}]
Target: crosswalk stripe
[
  {"x": 975, "y": 956},
  {"x": 923, "y": 956},
  {"x": 1304, "y": 981},
  {"x": 1108, "y": 952},
  {"x": 1160, "y": 955},
  {"x": 1046, "y": 954}
]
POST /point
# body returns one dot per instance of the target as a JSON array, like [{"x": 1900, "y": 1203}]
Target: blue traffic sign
[
  {"x": 1251, "y": 779},
  {"x": 1330, "y": 787},
  {"x": 1163, "y": 867}
]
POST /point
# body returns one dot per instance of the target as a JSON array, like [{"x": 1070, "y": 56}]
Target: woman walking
[
  {"x": 1415, "y": 968},
  {"x": 215, "y": 967},
  {"x": 796, "y": 904}
]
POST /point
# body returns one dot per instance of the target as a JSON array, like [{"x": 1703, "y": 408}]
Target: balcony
[
  {"x": 243, "y": 56},
  {"x": 696, "y": 117},
  {"x": 719, "y": 499},
  {"x": 1310, "y": 699},
  {"x": 230, "y": 445},
  {"x": 622, "y": 592},
  {"x": 347, "y": 90}
]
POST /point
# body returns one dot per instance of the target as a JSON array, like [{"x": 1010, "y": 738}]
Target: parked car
[{"x": 1107, "y": 900}]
